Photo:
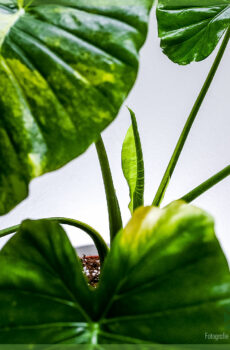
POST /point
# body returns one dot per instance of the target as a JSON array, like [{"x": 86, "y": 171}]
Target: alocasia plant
[{"x": 165, "y": 279}]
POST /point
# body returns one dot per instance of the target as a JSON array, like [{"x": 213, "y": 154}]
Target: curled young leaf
[
  {"x": 133, "y": 165},
  {"x": 190, "y": 30},
  {"x": 165, "y": 280},
  {"x": 66, "y": 67}
]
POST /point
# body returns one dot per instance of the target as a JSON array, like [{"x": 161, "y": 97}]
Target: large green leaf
[
  {"x": 165, "y": 280},
  {"x": 191, "y": 29},
  {"x": 66, "y": 66},
  {"x": 133, "y": 165}
]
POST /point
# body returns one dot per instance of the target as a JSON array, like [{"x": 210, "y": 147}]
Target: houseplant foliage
[
  {"x": 133, "y": 165},
  {"x": 190, "y": 30},
  {"x": 164, "y": 267},
  {"x": 66, "y": 67},
  {"x": 165, "y": 278}
]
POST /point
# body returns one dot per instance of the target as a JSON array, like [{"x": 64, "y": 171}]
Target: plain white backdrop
[{"x": 162, "y": 99}]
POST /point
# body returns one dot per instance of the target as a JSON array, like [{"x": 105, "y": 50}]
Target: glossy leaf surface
[
  {"x": 165, "y": 280},
  {"x": 190, "y": 30},
  {"x": 66, "y": 66},
  {"x": 133, "y": 165}
]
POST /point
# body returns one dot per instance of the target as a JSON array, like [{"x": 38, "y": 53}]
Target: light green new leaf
[
  {"x": 66, "y": 67},
  {"x": 165, "y": 280},
  {"x": 133, "y": 165},
  {"x": 191, "y": 29}
]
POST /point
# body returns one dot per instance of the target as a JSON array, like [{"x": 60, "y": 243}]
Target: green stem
[
  {"x": 96, "y": 237},
  {"x": 205, "y": 186},
  {"x": 115, "y": 221},
  {"x": 183, "y": 137}
]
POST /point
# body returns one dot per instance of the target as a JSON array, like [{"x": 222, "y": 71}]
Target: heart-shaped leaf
[
  {"x": 66, "y": 66},
  {"x": 165, "y": 280},
  {"x": 190, "y": 30},
  {"x": 133, "y": 165}
]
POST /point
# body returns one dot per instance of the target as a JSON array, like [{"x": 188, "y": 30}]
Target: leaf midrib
[
  {"x": 45, "y": 325},
  {"x": 13, "y": 18}
]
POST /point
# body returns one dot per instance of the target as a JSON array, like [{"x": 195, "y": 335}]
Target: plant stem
[
  {"x": 206, "y": 185},
  {"x": 183, "y": 137},
  {"x": 115, "y": 221},
  {"x": 96, "y": 237}
]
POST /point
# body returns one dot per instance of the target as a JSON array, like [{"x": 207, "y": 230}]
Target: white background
[{"x": 162, "y": 99}]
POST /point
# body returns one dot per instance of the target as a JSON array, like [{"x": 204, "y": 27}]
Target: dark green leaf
[
  {"x": 165, "y": 280},
  {"x": 190, "y": 30},
  {"x": 133, "y": 165},
  {"x": 66, "y": 66},
  {"x": 43, "y": 295}
]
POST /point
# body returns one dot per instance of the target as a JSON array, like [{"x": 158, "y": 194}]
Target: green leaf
[
  {"x": 133, "y": 165},
  {"x": 190, "y": 30},
  {"x": 66, "y": 67},
  {"x": 43, "y": 295},
  {"x": 165, "y": 280}
]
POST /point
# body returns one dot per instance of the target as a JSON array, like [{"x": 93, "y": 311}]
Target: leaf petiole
[
  {"x": 184, "y": 135},
  {"x": 96, "y": 237},
  {"x": 115, "y": 220},
  {"x": 206, "y": 185}
]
